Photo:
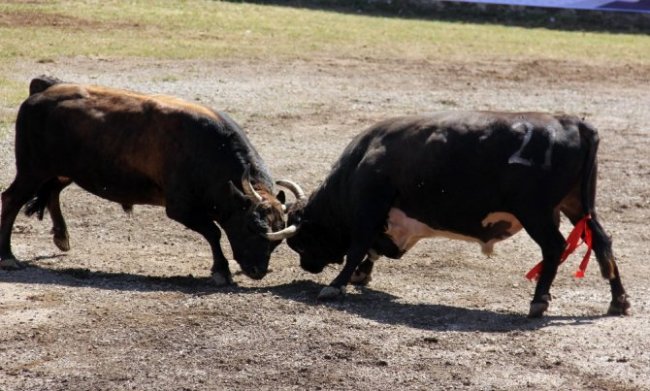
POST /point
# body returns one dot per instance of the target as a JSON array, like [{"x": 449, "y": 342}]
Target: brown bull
[{"x": 132, "y": 148}]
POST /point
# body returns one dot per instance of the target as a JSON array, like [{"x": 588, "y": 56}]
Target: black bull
[
  {"x": 132, "y": 148},
  {"x": 479, "y": 176}
]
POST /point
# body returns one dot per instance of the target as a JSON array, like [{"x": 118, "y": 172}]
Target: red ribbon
[{"x": 581, "y": 227}]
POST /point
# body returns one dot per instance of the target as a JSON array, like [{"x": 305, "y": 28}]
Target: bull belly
[
  {"x": 126, "y": 189},
  {"x": 405, "y": 231}
]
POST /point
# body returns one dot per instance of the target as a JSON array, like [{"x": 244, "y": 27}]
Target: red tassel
[
  {"x": 585, "y": 260},
  {"x": 581, "y": 227}
]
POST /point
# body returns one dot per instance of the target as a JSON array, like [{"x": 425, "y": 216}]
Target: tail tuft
[
  {"x": 36, "y": 206},
  {"x": 42, "y": 83}
]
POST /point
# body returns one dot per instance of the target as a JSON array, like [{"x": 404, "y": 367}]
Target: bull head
[{"x": 300, "y": 197}]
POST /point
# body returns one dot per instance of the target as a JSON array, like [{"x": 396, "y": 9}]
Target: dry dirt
[{"x": 131, "y": 306}]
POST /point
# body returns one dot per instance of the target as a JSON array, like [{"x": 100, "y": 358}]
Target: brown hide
[{"x": 133, "y": 148}]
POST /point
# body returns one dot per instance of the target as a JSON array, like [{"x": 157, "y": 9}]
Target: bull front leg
[
  {"x": 336, "y": 289},
  {"x": 363, "y": 275},
  {"x": 376, "y": 196},
  {"x": 202, "y": 224}
]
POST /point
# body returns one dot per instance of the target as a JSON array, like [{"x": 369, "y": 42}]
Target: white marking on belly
[
  {"x": 405, "y": 231},
  {"x": 498, "y": 217}
]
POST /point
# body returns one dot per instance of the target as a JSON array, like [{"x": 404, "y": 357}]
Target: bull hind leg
[
  {"x": 19, "y": 192},
  {"x": 602, "y": 245},
  {"x": 48, "y": 196}
]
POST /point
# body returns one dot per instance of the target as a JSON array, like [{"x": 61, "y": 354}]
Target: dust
[{"x": 131, "y": 306}]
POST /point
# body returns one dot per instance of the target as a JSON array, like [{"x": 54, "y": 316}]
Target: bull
[
  {"x": 478, "y": 176},
  {"x": 133, "y": 148}
]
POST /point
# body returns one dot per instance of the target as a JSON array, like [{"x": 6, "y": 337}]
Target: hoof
[
  {"x": 11, "y": 264},
  {"x": 537, "y": 309},
  {"x": 220, "y": 280},
  {"x": 331, "y": 293},
  {"x": 360, "y": 278},
  {"x": 62, "y": 242},
  {"x": 620, "y": 306}
]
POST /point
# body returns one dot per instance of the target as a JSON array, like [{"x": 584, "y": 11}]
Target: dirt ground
[{"x": 131, "y": 306}]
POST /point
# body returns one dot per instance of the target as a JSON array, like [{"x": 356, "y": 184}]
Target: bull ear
[{"x": 281, "y": 197}]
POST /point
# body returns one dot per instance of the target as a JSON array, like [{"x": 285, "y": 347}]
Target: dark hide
[{"x": 448, "y": 173}]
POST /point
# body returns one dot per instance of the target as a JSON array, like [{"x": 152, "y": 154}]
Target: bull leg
[
  {"x": 18, "y": 193},
  {"x": 603, "y": 248},
  {"x": 374, "y": 203},
  {"x": 48, "y": 195},
  {"x": 336, "y": 289},
  {"x": 363, "y": 275},
  {"x": 543, "y": 230},
  {"x": 60, "y": 235},
  {"x": 221, "y": 274}
]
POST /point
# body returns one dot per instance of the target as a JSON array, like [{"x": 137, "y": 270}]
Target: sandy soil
[{"x": 131, "y": 307}]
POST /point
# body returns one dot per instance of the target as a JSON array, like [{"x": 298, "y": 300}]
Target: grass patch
[
  {"x": 48, "y": 31},
  {"x": 12, "y": 93},
  {"x": 213, "y": 29}
]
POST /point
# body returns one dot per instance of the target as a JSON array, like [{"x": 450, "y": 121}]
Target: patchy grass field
[
  {"x": 53, "y": 31},
  {"x": 131, "y": 307}
]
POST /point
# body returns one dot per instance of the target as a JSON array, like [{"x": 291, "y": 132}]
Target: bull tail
[
  {"x": 37, "y": 205},
  {"x": 43, "y": 196},
  {"x": 602, "y": 243},
  {"x": 42, "y": 83},
  {"x": 590, "y": 139}
]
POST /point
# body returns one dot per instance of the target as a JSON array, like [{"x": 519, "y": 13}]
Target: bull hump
[
  {"x": 163, "y": 102},
  {"x": 406, "y": 231},
  {"x": 41, "y": 83}
]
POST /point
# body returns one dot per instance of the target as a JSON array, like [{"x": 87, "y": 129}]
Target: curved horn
[
  {"x": 250, "y": 191},
  {"x": 283, "y": 233},
  {"x": 293, "y": 187}
]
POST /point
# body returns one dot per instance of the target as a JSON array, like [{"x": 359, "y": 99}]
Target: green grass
[{"x": 193, "y": 29}]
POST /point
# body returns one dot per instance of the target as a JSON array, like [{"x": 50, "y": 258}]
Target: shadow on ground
[
  {"x": 530, "y": 17},
  {"x": 370, "y": 304}
]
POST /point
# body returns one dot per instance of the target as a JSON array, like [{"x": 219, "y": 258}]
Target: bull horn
[
  {"x": 250, "y": 191},
  {"x": 282, "y": 234},
  {"x": 293, "y": 187}
]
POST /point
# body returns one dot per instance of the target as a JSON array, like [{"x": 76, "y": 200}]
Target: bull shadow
[
  {"x": 385, "y": 308},
  {"x": 374, "y": 305},
  {"x": 364, "y": 302},
  {"x": 86, "y": 278}
]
